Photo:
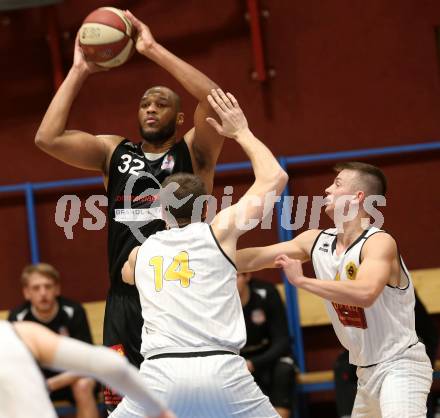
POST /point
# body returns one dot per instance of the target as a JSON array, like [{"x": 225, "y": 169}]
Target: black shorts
[
  {"x": 122, "y": 332},
  {"x": 123, "y": 324}
]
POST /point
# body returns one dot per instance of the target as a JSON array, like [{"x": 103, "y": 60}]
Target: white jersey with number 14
[{"x": 188, "y": 293}]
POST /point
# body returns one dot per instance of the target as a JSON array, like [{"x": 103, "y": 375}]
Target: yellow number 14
[{"x": 177, "y": 270}]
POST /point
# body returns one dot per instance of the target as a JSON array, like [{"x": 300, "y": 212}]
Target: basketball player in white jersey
[
  {"x": 368, "y": 293},
  {"x": 23, "y": 393},
  {"x": 187, "y": 281}
]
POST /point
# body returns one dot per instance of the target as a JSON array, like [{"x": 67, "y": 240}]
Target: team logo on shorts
[
  {"x": 119, "y": 348},
  {"x": 112, "y": 399},
  {"x": 351, "y": 270},
  {"x": 258, "y": 317}
]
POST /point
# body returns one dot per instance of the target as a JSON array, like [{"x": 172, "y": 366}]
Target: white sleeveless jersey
[
  {"x": 188, "y": 293},
  {"x": 23, "y": 391},
  {"x": 375, "y": 334}
]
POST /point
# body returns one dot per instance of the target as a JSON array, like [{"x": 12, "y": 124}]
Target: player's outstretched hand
[
  {"x": 231, "y": 116},
  {"x": 144, "y": 38},
  {"x": 80, "y": 63},
  {"x": 292, "y": 269}
]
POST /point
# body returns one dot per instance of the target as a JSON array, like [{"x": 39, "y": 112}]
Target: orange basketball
[{"x": 106, "y": 37}]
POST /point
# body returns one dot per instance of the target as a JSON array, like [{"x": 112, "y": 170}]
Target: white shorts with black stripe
[
  {"x": 397, "y": 388},
  {"x": 217, "y": 386}
]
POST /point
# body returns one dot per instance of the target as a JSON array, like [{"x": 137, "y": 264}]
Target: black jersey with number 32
[{"x": 133, "y": 213}]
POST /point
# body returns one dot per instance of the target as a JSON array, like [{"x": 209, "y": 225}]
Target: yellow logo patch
[{"x": 351, "y": 270}]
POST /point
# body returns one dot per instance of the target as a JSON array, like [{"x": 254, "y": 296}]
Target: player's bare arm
[
  {"x": 129, "y": 266},
  {"x": 64, "y": 353},
  {"x": 234, "y": 221},
  {"x": 61, "y": 380},
  {"x": 378, "y": 268},
  {"x": 204, "y": 143},
  {"x": 76, "y": 148},
  {"x": 258, "y": 258}
]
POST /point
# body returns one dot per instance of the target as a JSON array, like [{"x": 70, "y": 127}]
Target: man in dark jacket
[
  {"x": 267, "y": 351},
  {"x": 44, "y": 305}
]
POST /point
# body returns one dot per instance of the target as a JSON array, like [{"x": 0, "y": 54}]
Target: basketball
[{"x": 106, "y": 37}]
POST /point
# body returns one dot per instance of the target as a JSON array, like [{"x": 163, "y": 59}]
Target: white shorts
[
  {"x": 397, "y": 388},
  {"x": 218, "y": 386}
]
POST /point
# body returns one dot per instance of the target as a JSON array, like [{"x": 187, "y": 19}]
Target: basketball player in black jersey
[{"x": 130, "y": 216}]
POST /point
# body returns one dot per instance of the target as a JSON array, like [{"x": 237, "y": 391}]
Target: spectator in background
[
  {"x": 267, "y": 351},
  {"x": 44, "y": 305},
  {"x": 345, "y": 373}
]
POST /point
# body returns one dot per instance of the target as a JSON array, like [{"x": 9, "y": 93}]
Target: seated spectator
[
  {"x": 267, "y": 350},
  {"x": 345, "y": 373},
  {"x": 44, "y": 305}
]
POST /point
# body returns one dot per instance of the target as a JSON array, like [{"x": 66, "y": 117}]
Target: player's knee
[{"x": 83, "y": 389}]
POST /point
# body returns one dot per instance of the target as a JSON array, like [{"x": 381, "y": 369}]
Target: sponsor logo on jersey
[
  {"x": 351, "y": 270},
  {"x": 258, "y": 316},
  {"x": 138, "y": 215},
  {"x": 135, "y": 198},
  {"x": 324, "y": 247},
  {"x": 351, "y": 316},
  {"x": 168, "y": 163}
]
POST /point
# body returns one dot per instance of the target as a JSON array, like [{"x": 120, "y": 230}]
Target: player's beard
[{"x": 160, "y": 136}]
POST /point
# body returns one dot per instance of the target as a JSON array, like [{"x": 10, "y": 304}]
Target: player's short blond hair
[{"x": 44, "y": 269}]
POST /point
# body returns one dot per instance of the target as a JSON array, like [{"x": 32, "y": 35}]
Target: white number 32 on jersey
[{"x": 138, "y": 165}]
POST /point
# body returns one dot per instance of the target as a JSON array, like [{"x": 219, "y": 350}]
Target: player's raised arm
[
  {"x": 73, "y": 147},
  {"x": 270, "y": 178},
  {"x": 204, "y": 143}
]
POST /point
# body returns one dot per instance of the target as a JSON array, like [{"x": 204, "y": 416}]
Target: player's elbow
[
  {"x": 282, "y": 179},
  {"x": 43, "y": 141},
  {"x": 278, "y": 180},
  {"x": 39, "y": 140},
  {"x": 367, "y": 299}
]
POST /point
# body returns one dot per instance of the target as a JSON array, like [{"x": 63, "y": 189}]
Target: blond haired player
[
  {"x": 193, "y": 320},
  {"x": 23, "y": 392},
  {"x": 368, "y": 293}
]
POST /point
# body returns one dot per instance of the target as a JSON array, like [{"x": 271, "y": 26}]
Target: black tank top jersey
[
  {"x": 123, "y": 317},
  {"x": 127, "y": 163}
]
